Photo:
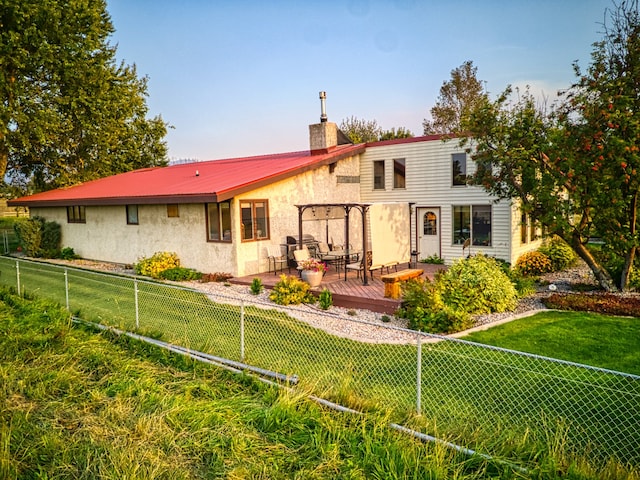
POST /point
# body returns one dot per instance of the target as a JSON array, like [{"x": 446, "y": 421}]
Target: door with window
[{"x": 428, "y": 224}]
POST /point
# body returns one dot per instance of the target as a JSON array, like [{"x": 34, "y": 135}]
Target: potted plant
[{"x": 312, "y": 271}]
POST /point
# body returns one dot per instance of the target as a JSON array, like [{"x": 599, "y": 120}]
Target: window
[
  {"x": 481, "y": 227},
  {"x": 461, "y": 224},
  {"x": 524, "y": 219},
  {"x": 430, "y": 224},
  {"x": 172, "y": 210},
  {"x": 219, "y": 222},
  {"x": 378, "y": 175},
  {"x": 399, "y": 173},
  {"x": 528, "y": 230},
  {"x": 132, "y": 215},
  {"x": 459, "y": 165},
  {"x": 255, "y": 219},
  {"x": 472, "y": 222},
  {"x": 76, "y": 214}
]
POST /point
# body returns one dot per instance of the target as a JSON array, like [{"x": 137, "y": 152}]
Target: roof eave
[{"x": 150, "y": 200}]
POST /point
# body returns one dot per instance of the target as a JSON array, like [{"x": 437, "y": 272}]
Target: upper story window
[
  {"x": 378, "y": 175},
  {"x": 459, "y": 168},
  {"x": 399, "y": 173},
  {"x": 172, "y": 210},
  {"x": 132, "y": 215},
  {"x": 219, "y": 222},
  {"x": 76, "y": 214},
  {"x": 254, "y": 215}
]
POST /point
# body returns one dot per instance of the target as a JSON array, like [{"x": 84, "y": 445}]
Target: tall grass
[{"x": 77, "y": 404}]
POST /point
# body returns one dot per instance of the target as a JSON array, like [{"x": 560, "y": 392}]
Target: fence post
[
  {"x": 135, "y": 296},
  {"x": 18, "y": 278},
  {"x": 419, "y": 379},
  {"x": 242, "y": 331},
  {"x": 66, "y": 287}
]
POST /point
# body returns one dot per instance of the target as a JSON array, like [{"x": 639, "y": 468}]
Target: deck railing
[{"x": 466, "y": 393}]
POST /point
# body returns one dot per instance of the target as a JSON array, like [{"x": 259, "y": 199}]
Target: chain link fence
[{"x": 505, "y": 403}]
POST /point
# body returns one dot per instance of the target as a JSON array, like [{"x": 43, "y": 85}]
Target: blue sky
[{"x": 237, "y": 78}]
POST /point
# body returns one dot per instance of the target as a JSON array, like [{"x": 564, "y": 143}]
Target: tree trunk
[
  {"x": 631, "y": 254},
  {"x": 603, "y": 277},
  {"x": 626, "y": 270}
]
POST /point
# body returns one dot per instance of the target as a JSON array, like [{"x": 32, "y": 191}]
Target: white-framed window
[
  {"x": 459, "y": 169},
  {"x": 399, "y": 173},
  {"x": 378, "y": 175},
  {"x": 472, "y": 222}
]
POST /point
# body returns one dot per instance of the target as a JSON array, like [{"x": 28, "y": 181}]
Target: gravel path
[{"x": 363, "y": 325}]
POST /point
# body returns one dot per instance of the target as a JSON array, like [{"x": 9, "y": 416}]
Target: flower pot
[{"x": 312, "y": 278}]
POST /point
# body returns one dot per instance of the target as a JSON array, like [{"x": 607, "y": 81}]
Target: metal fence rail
[{"x": 468, "y": 393}]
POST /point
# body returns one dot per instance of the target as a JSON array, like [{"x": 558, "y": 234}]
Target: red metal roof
[{"x": 211, "y": 181}]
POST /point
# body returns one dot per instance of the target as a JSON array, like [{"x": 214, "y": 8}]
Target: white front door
[{"x": 428, "y": 224}]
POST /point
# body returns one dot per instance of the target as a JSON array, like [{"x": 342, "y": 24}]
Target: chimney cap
[{"x": 323, "y": 108}]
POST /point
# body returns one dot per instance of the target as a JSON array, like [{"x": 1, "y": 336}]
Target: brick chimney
[{"x": 323, "y": 136}]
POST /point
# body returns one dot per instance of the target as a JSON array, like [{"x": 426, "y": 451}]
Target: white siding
[{"x": 429, "y": 183}]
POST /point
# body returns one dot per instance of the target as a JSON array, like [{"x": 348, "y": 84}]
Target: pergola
[{"x": 327, "y": 211}]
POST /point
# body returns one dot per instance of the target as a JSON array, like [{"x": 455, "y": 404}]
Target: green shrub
[
  {"x": 477, "y": 285},
  {"x": 534, "y": 263},
  {"x": 524, "y": 285},
  {"x": 559, "y": 253},
  {"x": 420, "y": 293},
  {"x": 51, "y": 238},
  {"x": 180, "y": 274},
  {"x": 157, "y": 263},
  {"x": 325, "y": 299},
  {"x": 446, "y": 320},
  {"x": 67, "y": 253},
  {"x": 39, "y": 238},
  {"x": 291, "y": 291},
  {"x": 433, "y": 259},
  {"x": 256, "y": 286}
]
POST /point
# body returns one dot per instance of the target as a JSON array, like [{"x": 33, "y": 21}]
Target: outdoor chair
[
  {"x": 301, "y": 255},
  {"x": 323, "y": 248},
  {"x": 275, "y": 256},
  {"x": 359, "y": 266}
]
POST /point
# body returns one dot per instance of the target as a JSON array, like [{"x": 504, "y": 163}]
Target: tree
[
  {"x": 457, "y": 97},
  {"x": 69, "y": 111},
  {"x": 575, "y": 170},
  {"x": 400, "y": 132},
  {"x": 363, "y": 131}
]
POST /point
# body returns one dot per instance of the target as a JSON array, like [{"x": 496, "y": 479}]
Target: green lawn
[{"x": 588, "y": 338}]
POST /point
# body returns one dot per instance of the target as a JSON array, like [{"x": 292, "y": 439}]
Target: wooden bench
[{"x": 392, "y": 281}]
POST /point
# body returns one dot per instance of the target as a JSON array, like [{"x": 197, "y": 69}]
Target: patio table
[{"x": 340, "y": 257}]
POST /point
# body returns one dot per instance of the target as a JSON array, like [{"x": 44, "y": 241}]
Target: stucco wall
[
  {"x": 317, "y": 186},
  {"x": 106, "y": 235}
]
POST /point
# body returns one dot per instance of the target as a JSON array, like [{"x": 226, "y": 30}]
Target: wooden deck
[{"x": 350, "y": 293}]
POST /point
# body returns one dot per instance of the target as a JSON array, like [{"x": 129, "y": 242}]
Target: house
[
  {"x": 450, "y": 218},
  {"x": 221, "y": 215}
]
